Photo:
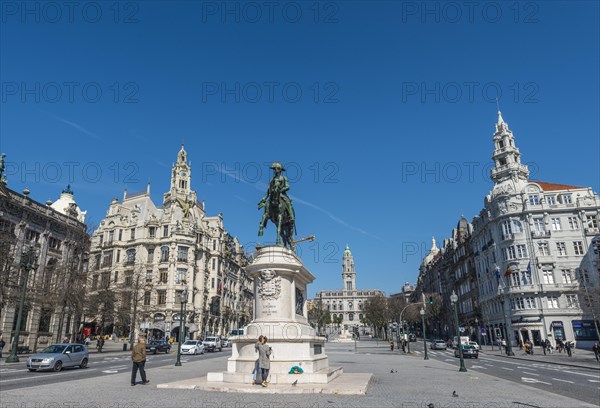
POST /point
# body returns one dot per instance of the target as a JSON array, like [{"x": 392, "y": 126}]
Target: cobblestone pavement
[{"x": 399, "y": 381}]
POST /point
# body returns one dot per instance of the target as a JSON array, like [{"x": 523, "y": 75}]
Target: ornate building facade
[
  {"x": 347, "y": 304},
  {"x": 534, "y": 256},
  {"x": 531, "y": 243},
  {"x": 151, "y": 255},
  {"x": 54, "y": 296}
]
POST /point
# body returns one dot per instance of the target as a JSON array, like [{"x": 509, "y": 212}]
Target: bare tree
[
  {"x": 318, "y": 316},
  {"x": 377, "y": 314}
]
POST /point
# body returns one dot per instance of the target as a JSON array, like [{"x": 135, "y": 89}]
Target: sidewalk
[{"x": 580, "y": 358}]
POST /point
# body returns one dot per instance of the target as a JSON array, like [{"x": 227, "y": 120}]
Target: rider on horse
[{"x": 277, "y": 195}]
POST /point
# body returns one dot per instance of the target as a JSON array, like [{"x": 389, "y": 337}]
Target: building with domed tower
[
  {"x": 164, "y": 252},
  {"x": 57, "y": 236},
  {"x": 534, "y": 256},
  {"x": 346, "y": 304}
]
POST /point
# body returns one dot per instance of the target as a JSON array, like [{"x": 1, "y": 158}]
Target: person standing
[
  {"x": 3, "y": 343},
  {"x": 138, "y": 357},
  {"x": 264, "y": 352},
  {"x": 256, "y": 375},
  {"x": 595, "y": 349}
]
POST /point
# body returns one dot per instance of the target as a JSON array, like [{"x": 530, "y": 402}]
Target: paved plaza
[{"x": 399, "y": 381}]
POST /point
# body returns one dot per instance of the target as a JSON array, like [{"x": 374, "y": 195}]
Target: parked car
[
  {"x": 438, "y": 345},
  {"x": 57, "y": 356},
  {"x": 474, "y": 344},
  {"x": 226, "y": 342},
  {"x": 158, "y": 346},
  {"x": 468, "y": 351},
  {"x": 213, "y": 343},
  {"x": 192, "y": 347},
  {"x": 412, "y": 337}
]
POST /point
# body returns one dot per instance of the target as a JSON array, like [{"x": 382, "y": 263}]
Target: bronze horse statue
[{"x": 278, "y": 208}]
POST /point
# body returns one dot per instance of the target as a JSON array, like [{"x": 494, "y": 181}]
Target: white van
[
  {"x": 463, "y": 340},
  {"x": 236, "y": 332}
]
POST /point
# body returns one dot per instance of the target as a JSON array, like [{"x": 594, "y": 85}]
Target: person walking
[
  {"x": 392, "y": 345},
  {"x": 264, "y": 363},
  {"x": 595, "y": 349},
  {"x": 138, "y": 357},
  {"x": 3, "y": 343},
  {"x": 568, "y": 348}
]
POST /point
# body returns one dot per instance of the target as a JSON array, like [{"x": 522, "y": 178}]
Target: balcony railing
[{"x": 540, "y": 234}]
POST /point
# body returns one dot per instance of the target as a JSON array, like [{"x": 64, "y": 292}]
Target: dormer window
[
  {"x": 534, "y": 199},
  {"x": 551, "y": 200}
]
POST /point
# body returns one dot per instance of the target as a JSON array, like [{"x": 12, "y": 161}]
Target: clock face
[{"x": 183, "y": 174}]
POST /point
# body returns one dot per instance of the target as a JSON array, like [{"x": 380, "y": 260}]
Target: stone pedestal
[{"x": 280, "y": 283}]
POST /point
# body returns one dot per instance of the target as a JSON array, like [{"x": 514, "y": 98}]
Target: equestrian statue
[{"x": 278, "y": 208}]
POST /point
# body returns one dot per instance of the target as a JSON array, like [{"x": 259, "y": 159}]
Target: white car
[
  {"x": 438, "y": 345},
  {"x": 474, "y": 344},
  {"x": 192, "y": 347}
]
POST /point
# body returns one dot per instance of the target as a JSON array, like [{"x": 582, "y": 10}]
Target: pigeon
[
  {"x": 430, "y": 405},
  {"x": 294, "y": 383},
  {"x": 454, "y": 394}
]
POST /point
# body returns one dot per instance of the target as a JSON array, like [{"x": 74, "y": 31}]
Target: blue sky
[{"x": 382, "y": 111}]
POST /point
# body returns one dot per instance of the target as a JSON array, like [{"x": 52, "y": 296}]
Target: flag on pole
[
  {"x": 508, "y": 272},
  {"x": 529, "y": 272},
  {"x": 497, "y": 273}
]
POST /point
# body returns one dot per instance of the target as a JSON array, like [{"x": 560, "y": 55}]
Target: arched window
[
  {"x": 164, "y": 253},
  {"x": 351, "y": 316}
]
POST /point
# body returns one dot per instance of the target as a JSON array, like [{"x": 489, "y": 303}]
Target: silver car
[
  {"x": 57, "y": 356},
  {"x": 192, "y": 347},
  {"x": 438, "y": 345}
]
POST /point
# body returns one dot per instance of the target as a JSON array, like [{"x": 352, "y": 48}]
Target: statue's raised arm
[{"x": 278, "y": 207}]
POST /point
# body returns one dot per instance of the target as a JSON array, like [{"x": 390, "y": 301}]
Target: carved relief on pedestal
[{"x": 269, "y": 285}]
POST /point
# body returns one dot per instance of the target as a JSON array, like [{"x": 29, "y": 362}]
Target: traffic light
[{"x": 431, "y": 300}]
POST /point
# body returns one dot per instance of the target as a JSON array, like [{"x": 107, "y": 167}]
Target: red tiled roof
[{"x": 554, "y": 186}]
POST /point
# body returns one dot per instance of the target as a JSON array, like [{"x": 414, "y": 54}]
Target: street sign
[
  {"x": 461, "y": 329},
  {"x": 483, "y": 332}
]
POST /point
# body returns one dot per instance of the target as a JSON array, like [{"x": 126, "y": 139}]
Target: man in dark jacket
[
  {"x": 2, "y": 344},
  {"x": 138, "y": 356}
]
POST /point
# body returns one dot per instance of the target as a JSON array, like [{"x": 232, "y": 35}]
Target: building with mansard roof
[
  {"x": 149, "y": 255},
  {"x": 347, "y": 304},
  {"x": 53, "y": 303},
  {"x": 534, "y": 253},
  {"x": 532, "y": 244}
]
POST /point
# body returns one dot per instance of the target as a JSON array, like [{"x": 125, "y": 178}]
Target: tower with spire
[
  {"x": 348, "y": 273},
  {"x": 507, "y": 157},
  {"x": 180, "y": 180}
]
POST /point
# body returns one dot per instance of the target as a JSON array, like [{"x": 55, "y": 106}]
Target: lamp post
[
  {"x": 28, "y": 263},
  {"x": 424, "y": 342},
  {"x": 181, "y": 326},
  {"x": 502, "y": 296},
  {"x": 453, "y": 300}
]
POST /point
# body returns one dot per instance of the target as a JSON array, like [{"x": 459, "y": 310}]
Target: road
[
  {"x": 16, "y": 376},
  {"x": 579, "y": 383}
]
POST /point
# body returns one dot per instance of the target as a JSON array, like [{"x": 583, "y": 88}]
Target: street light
[
  {"x": 453, "y": 300},
  {"x": 501, "y": 294},
  {"x": 28, "y": 263},
  {"x": 181, "y": 326},
  {"x": 424, "y": 342}
]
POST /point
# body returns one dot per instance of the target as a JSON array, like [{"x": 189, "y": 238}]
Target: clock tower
[
  {"x": 180, "y": 181},
  {"x": 348, "y": 273}
]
